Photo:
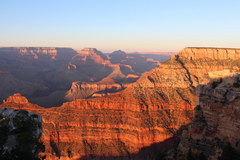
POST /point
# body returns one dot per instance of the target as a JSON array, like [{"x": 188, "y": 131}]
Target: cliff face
[
  {"x": 19, "y": 134},
  {"x": 211, "y": 53},
  {"x": 214, "y": 134},
  {"x": 146, "y": 112}
]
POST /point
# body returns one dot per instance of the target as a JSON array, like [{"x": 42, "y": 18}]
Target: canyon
[
  {"x": 45, "y": 74},
  {"x": 146, "y": 113}
]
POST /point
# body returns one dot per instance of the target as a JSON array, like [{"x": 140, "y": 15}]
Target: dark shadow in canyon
[{"x": 55, "y": 148}]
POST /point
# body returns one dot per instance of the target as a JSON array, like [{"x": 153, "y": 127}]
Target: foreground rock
[
  {"x": 214, "y": 134},
  {"x": 19, "y": 135},
  {"x": 147, "y": 112}
]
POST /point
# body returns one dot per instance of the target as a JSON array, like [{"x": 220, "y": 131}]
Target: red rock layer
[{"x": 149, "y": 111}]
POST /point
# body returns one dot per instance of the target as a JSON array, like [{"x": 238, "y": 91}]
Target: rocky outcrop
[
  {"x": 214, "y": 134},
  {"x": 20, "y": 132},
  {"x": 86, "y": 90},
  {"x": 17, "y": 98},
  {"x": 147, "y": 112}
]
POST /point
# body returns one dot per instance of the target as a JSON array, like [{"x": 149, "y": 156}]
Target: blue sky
[{"x": 130, "y": 25}]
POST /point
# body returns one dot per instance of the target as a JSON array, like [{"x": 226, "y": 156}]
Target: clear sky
[{"x": 129, "y": 25}]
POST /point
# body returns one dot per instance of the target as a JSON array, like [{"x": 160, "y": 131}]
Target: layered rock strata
[
  {"x": 89, "y": 90},
  {"x": 149, "y": 111}
]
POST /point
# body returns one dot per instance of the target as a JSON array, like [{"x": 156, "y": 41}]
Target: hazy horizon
[{"x": 132, "y": 26}]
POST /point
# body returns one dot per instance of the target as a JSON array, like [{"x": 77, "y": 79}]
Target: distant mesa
[
  {"x": 119, "y": 52},
  {"x": 50, "y": 53},
  {"x": 88, "y": 51},
  {"x": 91, "y": 51}
]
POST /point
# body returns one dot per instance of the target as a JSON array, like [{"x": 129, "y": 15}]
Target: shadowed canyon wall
[{"x": 214, "y": 133}]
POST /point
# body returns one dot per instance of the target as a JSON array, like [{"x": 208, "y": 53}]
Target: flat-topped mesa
[
  {"x": 88, "y": 51},
  {"x": 17, "y": 98},
  {"x": 38, "y": 50},
  {"x": 210, "y": 53},
  {"x": 30, "y": 50}
]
